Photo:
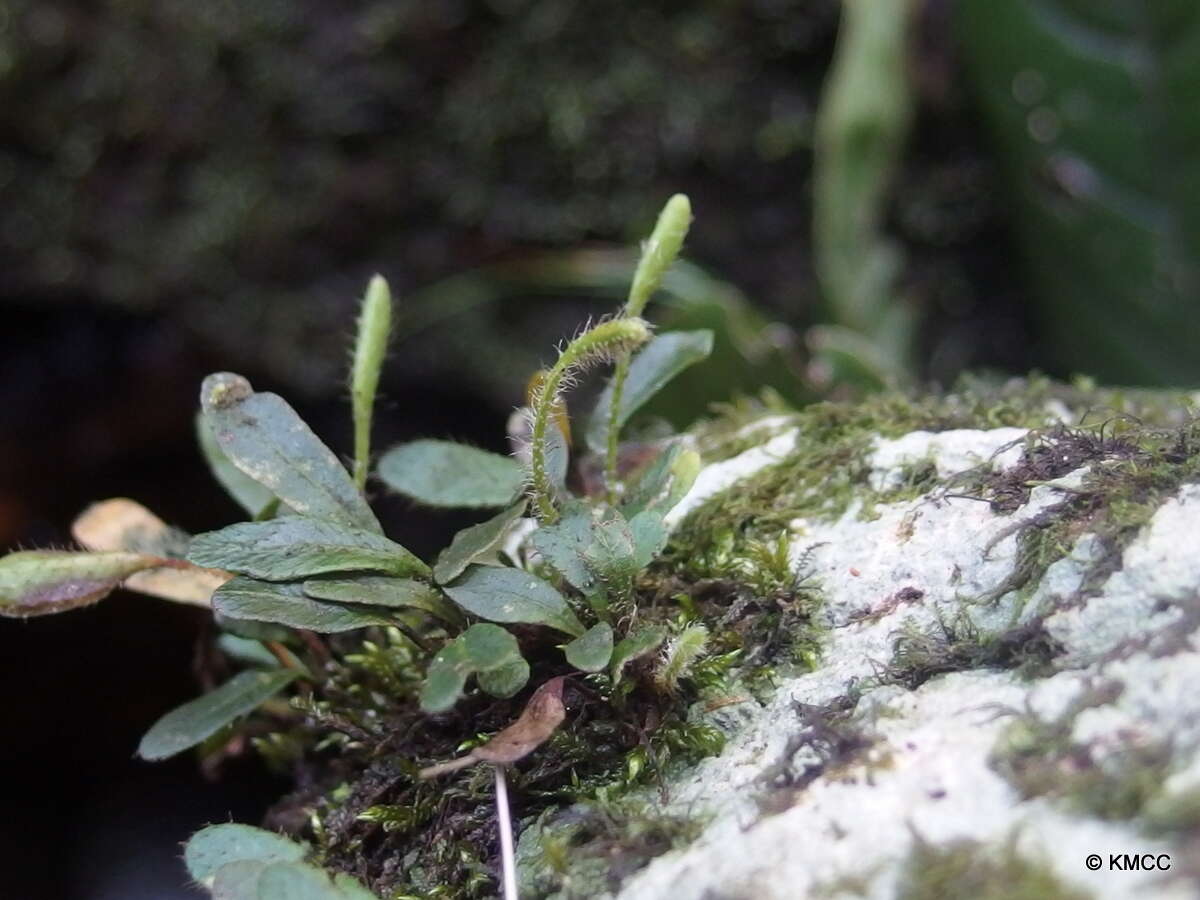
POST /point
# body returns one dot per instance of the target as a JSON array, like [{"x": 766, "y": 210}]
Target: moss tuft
[
  {"x": 1040, "y": 758},
  {"x": 969, "y": 869},
  {"x": 958, "y": 645}
]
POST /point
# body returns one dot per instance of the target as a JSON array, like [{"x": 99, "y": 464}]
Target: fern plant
[{"x": 551, "y": 568}]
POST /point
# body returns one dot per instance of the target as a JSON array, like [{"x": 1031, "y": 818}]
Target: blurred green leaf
[
  {"x": 591, "y": 651},
  {"x": 247, "y": 651},
  {"x": 861, "y": 130},
  {"x": 472, "y": 544},
  {"x": 218, "y": 845},
  {"x": 297, "y": 881},
  {"x": 654, "y": 365},
  {"x": 238, "y": 880},
  {"x": 650, "y": 534},
  {"x": 443, "y": 473},
  {"x": 265, "y": 438},
  {"x": 1093, "y": 108},
  {"x": 293, "y": 547},
  {"x": 286, "y": 604},
  {"x": 384, "y": 591},
  {"x": 194, "y": 722},
  {"x": 40, "y": 582},
  {"x": 749, "y": 351},
  {"x": 502, "y": 594}
]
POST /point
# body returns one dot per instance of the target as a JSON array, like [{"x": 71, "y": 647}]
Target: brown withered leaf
[
  {"x": 541, "y": 717},
  {"x": 124, "y": 525}
]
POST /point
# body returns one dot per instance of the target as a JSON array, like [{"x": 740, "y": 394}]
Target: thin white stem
[{"x": 508, "y": 859}]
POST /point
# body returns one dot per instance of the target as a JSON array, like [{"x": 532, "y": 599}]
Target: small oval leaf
[
  {"x": 194, "y": 722},
  {"x": 445, "y": 678},
  {"x": 592, "y": 651},
  {"x": 489, "y": 646},
  {"x": 502, "y": 594},
  {"x": 505, "y": 681},
  {"x": 443, "y": 473},
  {"x": 485, "y": 649},
  {"x": 293, "y": 547}
]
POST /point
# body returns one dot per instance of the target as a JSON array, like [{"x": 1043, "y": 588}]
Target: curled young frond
[
  {"x": 600, "y": 343},
  {"x": 678, "y": 656}
]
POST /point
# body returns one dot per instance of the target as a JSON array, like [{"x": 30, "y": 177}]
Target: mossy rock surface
[{"x": 1009, "y": 605}]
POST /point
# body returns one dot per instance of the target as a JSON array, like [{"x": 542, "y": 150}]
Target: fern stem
[{"x": 614, "y": 338}]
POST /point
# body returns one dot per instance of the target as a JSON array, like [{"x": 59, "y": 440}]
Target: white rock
[{"x": 927, "y": 772}]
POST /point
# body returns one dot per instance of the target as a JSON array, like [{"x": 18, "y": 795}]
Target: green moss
[
  {"x": 1040, "y": 758},
  {"x": 1132, "y": 469},
  {"x": 957, "y": 645},
  {"x": 591, "y": 848},
  {"x": 1173, "y": 814},
  {"x": 969, "y": 869},
  {"x": 828, "y": 470}
]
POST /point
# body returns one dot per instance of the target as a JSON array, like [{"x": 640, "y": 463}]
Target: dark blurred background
[{"x": 187, "y": 187}]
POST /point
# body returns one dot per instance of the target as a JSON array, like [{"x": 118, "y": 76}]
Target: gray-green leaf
[
  {"x": 219, "y": 845},
  {"x": 649, "y": 536},
  {"x": 443, "y": 473},
  {"x": 264, "y": 438},
  {"x": 248, "y": 493},
  {"x": 610, "y": 552},
  {"x": 248, "y": 651},
  {"x": 656, "y": 364},
  {"x": 592, "y": 650},
  {"x": 471, "y": 544},
  {"x": 563, "y": 544},
  {"x": 294, "y": 547},
  {"x": 300, "y": 881},
  {"x": 637, "y": 644},
  {"x": 485, "y": 649},
  {"x": 192, "y": 723},
  {"x": 511, "y": 595},
  {"x": 381, "y": 590},
  {"x": 40, "y": 582},
  {"x": 285, "y": 604},
  {"x": 504, "y": 681}
]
